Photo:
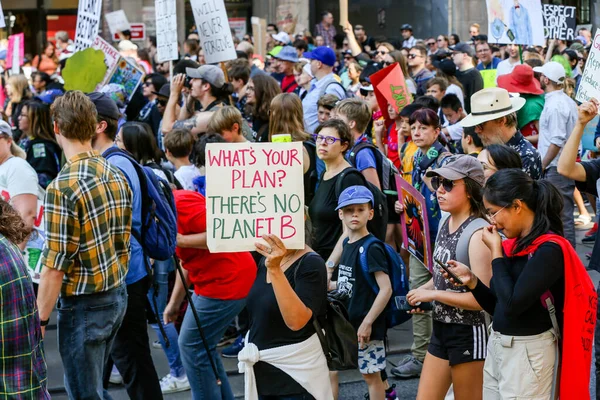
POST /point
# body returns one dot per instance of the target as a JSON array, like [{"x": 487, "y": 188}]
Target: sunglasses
[
  {"x": 163, "y": 102},
  {"x": 327, "y": 139},
  {"x": 411, "y": 56},
  {"x": 431, "y": 44},
  {"x": 438, "y": 181},
  {"x": 383, "y": 53}
]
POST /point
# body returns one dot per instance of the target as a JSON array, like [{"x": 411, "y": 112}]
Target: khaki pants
[
  {"x": 519, "y": 367},
  {"x": 422, "y": 323}
]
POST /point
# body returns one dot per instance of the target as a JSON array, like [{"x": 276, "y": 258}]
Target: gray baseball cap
[
  {"x": 458, "y": 167},
  {"x": 209, "y": 73}
]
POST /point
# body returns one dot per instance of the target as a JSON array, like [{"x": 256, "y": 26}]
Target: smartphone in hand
[
  {"x": 452, "y": 274},
  {"x": 403, "y": 304}
]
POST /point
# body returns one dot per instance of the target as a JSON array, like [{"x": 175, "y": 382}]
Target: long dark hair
[
  {"x": 504, "y": 156},
  {"x": 140, "y": 142},
  {"x": 265, "y": 90},
  {"x": 508, "y": 185},
  {"x": 40, "y": 122},
  {"x": 475, "y": 195}
]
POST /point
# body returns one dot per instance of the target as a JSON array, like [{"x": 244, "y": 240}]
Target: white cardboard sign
[
  {"x": 254, "y": 189},
  {"x": 213, "y": 29},
  {"x": 166, "y": 30},
  {"x": 117, "y": 21},
  {"x": 88, "y": 22},
  {"x": 590, "y": 81}
]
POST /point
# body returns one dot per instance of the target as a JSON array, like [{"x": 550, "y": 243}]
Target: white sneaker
[
  {"x": 171, "y": 384},
  {"x": 115, "y": 376}
]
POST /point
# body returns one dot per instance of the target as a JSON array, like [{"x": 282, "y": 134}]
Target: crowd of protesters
[{"x": 498, "y": 161}]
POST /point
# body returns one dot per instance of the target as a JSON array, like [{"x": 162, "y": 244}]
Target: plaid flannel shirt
[
  {"x": 326, "y": 33},
  {"x": 22, "y": 361},
  {"x": 88, "y": 225}
]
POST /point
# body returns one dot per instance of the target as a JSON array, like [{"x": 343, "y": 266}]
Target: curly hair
[
  {"x": 265, "y": 90},
  {"x": 12, "y": 226}
]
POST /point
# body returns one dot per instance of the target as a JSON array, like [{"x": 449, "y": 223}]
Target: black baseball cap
[{"x": 105, "y": 106}]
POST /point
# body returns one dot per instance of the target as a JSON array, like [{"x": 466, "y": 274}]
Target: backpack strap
[
  {"x": 363, "y": 260},
  {"x": 462, "y": 248}
]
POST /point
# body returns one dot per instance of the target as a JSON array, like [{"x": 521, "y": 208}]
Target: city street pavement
[{"x": 351, "y": 385}]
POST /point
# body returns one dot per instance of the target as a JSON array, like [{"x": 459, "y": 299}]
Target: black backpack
[
  {"x": 386, "y": 170},
  {"x": 378, "y": 225}
]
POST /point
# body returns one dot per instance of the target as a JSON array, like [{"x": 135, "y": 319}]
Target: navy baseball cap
[
  {"x": 105, "y": 106},
  {"x": 463, "y": 48},
  {"x": 355, "y": 195},
  {"x": 323, "y": 54}
]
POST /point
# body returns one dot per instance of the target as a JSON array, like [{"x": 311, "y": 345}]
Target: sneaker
[
  {"x": 592, "y": 231},
  {"x": 410, "y": 369},
  {"x": 156, "y": 344},
  {"x": 233, "y": 350},
  {"x": 115, "y": 376},
  {"x": 589, "y": 239},
  {"x": 171, "y": 384}
]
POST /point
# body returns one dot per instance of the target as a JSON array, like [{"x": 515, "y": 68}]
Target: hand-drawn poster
[
  {"x": 166, "y": 30},
  {"x": 254, "y": 189},
  {"x": 88, "y": 23},
  {"x": 415, "y": 227},
  {"x": 515, "y": 21},
  {"x": 390, "y": 88},
  {"x": 128, "y": 75},
  {"x": 589, "y": 85},
  {"x": 214, "y": 31},
  {"x": 559, "y": 22}
]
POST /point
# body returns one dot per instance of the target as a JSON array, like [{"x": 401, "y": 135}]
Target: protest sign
[
  {"x": 117, "y": 22},
  {"x": 254, "y": 189},
  {"x": 35, "y": 243},
  {"x": 390, "y": 88},
  {"x": 589, "y": 86},
  {"x": 15, "y": 52},
  {"x": 127, "y": 75},
  {"x": 84, "y": 70},
  {"x": 517, "y": 22},
  {"x": 88, "y": 23},
  {"x": 213, "y": 29},
  {"x": 559, "y": 22},
  {"x": 286, "y": 15},
  {"x": 259, "y": 34},
  {"x": 415, "y": 226},
  {"x": 239, "y": 27},
  {"x": 2, "y": 22},
  {"x": 343, "y": 13},
  {"x": 166, "y": 30},
  {"x": 489, "y": 77}
]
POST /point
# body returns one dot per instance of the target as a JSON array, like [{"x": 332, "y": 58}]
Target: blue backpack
[
  {"x": 159, "y": 215},
  {"x": 398, "y": 278}
]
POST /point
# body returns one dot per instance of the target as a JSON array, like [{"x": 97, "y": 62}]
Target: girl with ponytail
[{"x": 540, "y": 294}]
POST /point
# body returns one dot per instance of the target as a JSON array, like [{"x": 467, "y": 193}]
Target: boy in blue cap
[{"x": 365, "y": 308}]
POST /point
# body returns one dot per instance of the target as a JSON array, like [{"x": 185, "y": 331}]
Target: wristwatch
[
  {"x": 330, "y": 264},
  {"x": 44, "y": 322}
]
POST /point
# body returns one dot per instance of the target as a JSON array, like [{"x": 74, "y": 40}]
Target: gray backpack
[{"x": 462, "y": 248}]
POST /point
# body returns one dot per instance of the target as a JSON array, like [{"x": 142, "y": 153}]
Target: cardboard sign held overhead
[
  {"x": 117, "y": 22},
  {"x": 559, "y": 22},
  {"x": 88, "y": 23},
  {"x": 516, "y": 22},
  {"x": 213, "y": 29},
  {"x": 15, "y": 52},
  {"x": 259, "y": 33},
  {"x": 589, "y": 86},
  {"x": 253, "y": 189},
  {"x": 166, "y": 30},
  {"x": 343, "y": 12}
]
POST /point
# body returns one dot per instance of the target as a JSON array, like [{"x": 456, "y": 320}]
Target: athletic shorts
[
  {"x": 371, "y": 358},
  {"x": 458, "y": 343}
]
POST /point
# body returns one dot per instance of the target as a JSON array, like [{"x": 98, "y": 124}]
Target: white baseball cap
[{"x": 553, "y": 71}]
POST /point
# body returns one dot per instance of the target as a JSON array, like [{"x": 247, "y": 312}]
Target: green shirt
[{"x": 531, "y": 111}]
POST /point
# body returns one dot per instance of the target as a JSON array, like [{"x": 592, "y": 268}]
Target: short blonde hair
[
  {"x": 20, "y": 87},
  {"x": 75, "y": 115},
  {"x": 224, "y": 118}
]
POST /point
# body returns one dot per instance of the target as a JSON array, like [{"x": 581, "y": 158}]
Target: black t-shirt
[
  {"x": 472, "y": 82},
  {"x": 327, "y": 227},
  {"x": 267, "y": 327},
  {"x": 351, "y": 279},
  {"x": 514, "y": 295}
]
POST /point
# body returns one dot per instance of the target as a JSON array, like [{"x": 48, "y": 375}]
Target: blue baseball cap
[
  {"x": 49, "y": 96},
  {"x": 355, "y": 195},
  {"x": 323, "y": 54},
  {"x": 288, "y": 53}
]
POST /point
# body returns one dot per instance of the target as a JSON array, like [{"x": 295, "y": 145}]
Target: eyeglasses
[
  {"x": 411, "y": 56},
  {"x": 327, "y": 139},
  {"x": 430, "y": 43},
  {"x": 387, "y": 63},
  {"x": 483, "y": 50},
  {"x": 447, "y": 184},
  {"x": 492, "y": 217}
]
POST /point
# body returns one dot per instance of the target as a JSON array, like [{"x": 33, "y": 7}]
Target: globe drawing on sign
[{"x": 497, "y": 28}]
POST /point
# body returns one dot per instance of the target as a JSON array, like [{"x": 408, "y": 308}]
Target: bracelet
[{"x": 44, "y": 322}]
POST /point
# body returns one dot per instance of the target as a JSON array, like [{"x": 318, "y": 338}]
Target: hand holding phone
[
  {"x": 403, "y": 304},
  {"x": 450, "y": 273}
]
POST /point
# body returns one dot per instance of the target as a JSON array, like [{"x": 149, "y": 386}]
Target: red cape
[{"x": 579, "y": 318}]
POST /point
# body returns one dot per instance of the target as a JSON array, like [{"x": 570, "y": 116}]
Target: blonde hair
[
  {"x": 75, "y": 115},
  {"x": 20, "y": 88},
  {"x": 287, "y": 116},
  {"x": 224, "y": 118},
  {"x": 387, "y": 45}
]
